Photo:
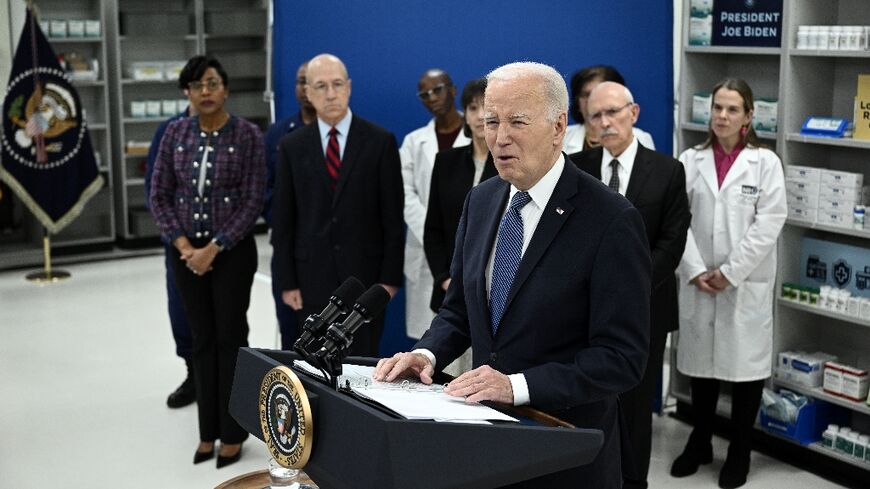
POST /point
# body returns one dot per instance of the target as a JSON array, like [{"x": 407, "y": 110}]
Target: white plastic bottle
[
  {"x": 802, "y": 36},
  {"x": 861, "y": 447},
  {"x": 834, "y": 39},
  {"x": 824, "y": 36},
  {"x": 829, "y": 436}
]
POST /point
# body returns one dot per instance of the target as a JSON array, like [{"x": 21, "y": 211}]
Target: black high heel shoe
[
  {"x": 224, "y": 461},
  {"x": 199, "y": 457}
]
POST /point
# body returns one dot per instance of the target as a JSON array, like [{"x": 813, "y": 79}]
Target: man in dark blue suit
[{"x": 552, "y": 290}]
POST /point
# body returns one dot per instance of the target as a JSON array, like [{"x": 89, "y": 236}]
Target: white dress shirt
[
  {"x": 531, "y": 214},
  {"x": 626, "y": 163},
  {"x": 342, "y": 127}
]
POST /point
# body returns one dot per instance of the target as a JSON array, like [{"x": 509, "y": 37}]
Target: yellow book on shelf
[{"x": 862, "y": 109}]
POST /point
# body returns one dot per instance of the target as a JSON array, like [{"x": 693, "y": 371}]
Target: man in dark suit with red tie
[
  {"x": 337, "y": 206},
  {"x": 655, "y": 184},
  {"x": 549, "y": 280}
]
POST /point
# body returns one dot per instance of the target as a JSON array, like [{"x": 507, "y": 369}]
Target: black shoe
[
  {"x": 224, "y": 461},
  {"x": 691, "y": 458},
  {"x": 183, "y": 396},
  {"x": 199, "y": 457},
  {"x": 735, "y": 470}
]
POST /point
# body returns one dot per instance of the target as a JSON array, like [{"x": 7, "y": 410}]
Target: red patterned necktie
[{"x": 333, "y": 156}]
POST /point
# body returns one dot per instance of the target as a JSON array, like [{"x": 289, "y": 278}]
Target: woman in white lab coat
[{"x": 736, "y": 191}]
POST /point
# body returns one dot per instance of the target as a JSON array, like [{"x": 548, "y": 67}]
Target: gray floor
[{"x": 85, "y": 367}]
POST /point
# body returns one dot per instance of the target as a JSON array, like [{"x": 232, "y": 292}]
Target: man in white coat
[{"x": 438, "y": 94}]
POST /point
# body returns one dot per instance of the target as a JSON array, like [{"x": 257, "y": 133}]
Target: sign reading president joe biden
[{"x": 747, "y": 23}]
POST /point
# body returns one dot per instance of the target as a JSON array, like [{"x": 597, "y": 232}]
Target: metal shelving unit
[
  {"x": 234, "y": 31},
  {"x": 95, "y": 225},
  {"x": 806, "y": 82}
]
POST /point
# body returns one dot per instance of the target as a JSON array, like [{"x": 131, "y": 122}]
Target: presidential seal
[{"x": 285, "y": 418}]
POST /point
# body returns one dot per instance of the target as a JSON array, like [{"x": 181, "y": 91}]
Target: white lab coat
[
  {"x": 576, "y": 133},
  {"x": 418, "y": 158},
  {"x": 729, "y": 336}
]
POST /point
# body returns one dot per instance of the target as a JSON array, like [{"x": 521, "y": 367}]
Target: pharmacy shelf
[
  {"x": 75, "y": 40},
  {"x": 858, "y": 233},
  {"x": 144, "y": 120},
  {"x": 823, "y": 312},
  {"x": 732, "y": 50},
  {"x": 829, "y": 53},
  {"x": 818, "y": 393},
  {"x": 841, "y": 142},
  {"x": 130, "y": 182},
  {"x": 130, "y": 81},
  {"x": 88, "y": 83},
  {"x": 694, "y": 126},
  {"x": 186, "y": 37},
  {"x": 97, "y": 126},
  {"x": 818, "y": 447}
]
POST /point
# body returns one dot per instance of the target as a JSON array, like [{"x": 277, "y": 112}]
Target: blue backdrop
[{"x": 388, "y": 44}]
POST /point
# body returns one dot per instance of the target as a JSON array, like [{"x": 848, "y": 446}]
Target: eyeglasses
[
  {"x": 323, "y": 87},
  {"x": 211, "y": 84},
  {"x": 435, "y": 91},
  {"x": 609, "y": 113}
]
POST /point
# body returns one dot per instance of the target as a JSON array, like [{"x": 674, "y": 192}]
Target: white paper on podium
[{"x": 414, "y": 399}]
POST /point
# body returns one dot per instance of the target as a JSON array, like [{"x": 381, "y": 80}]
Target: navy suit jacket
[
  {"x": 577, "y": 319},
  {"x": 320, "y": 236}
]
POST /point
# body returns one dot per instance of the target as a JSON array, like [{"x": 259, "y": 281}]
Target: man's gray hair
[{"x": 553, "y": 88}]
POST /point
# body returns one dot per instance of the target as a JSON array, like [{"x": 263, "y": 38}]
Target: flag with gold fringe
[{"x": 47, "y": 157}]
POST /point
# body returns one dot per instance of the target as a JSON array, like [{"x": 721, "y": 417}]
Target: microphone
[
  {"x": 340, "y": 336},
  {"x": 339, "y": 303}
]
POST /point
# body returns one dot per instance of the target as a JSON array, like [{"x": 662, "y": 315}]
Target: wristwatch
[{"x": 220, "y": 245}]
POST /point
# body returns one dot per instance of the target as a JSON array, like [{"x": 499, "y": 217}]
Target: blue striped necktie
[{"x": 508, "y": 252}]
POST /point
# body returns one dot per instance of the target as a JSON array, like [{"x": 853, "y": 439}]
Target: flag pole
[{"x": 47, "y": 275}]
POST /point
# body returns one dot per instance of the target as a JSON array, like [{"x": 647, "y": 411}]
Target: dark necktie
[
  {"x": 614, "y": 176},
  {"x": 333, "y": 156},
  {"x": 508, "y": 252}
]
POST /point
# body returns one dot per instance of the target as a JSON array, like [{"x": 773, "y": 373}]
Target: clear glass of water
[{"x": 284, "y": 478}]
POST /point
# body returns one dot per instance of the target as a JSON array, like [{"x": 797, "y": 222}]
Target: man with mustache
[{"x": 655, "y": 184}]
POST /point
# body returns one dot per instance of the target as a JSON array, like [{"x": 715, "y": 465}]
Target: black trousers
[
  {"x": 745, "y": 400},
  {"x": 637, "y": 407},
  {"x": 216, "y": 304}
]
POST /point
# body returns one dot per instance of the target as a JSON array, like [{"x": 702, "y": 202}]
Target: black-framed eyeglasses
[
  {"x": 609, "y": 113},
  {"x": 435, "y": 91},
  {"x": 211, "y": 84}
]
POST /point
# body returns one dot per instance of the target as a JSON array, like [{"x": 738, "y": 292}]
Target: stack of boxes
[
  {"x": 846, "y": 381},
  {"x": 829, "y": 197}
]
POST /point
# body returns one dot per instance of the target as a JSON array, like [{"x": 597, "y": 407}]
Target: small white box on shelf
[
  {"x": 802, "y": 188},
  {"x": 804, "y": 201},
  {"x": 182, "y": 104},
  {"x": 146, "y": 70},
  {"x": 137, "y": 109},
  {"x": 855, "y": 383},
  {"x": 802, "y": 368},
  {"x": 75, "y": 28},
  {"x": 802, "y": 213},
  {"x": 835, "y": 218},
  {"x": 764, "y": 116},
  {"x": 153, "y": 108},
  {"x": 93, "y": 28},
  {"x": 45, "y": 27},
  {"x": 701, "y": 108},
  {"x": 58, "y": 28},
  {"x": 833, "y": 378},
  {"x": 842, "y": 178},
  {"x": 854, "y": 194},
  {"x": 828, "y": 203},
  {"x": 170, "y": 107},
  {"x": 172, "y": 69},
  {"x": 803, "y": 173}
]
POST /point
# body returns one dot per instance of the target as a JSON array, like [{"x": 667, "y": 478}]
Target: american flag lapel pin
[{"x": 559, "y": 211}]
